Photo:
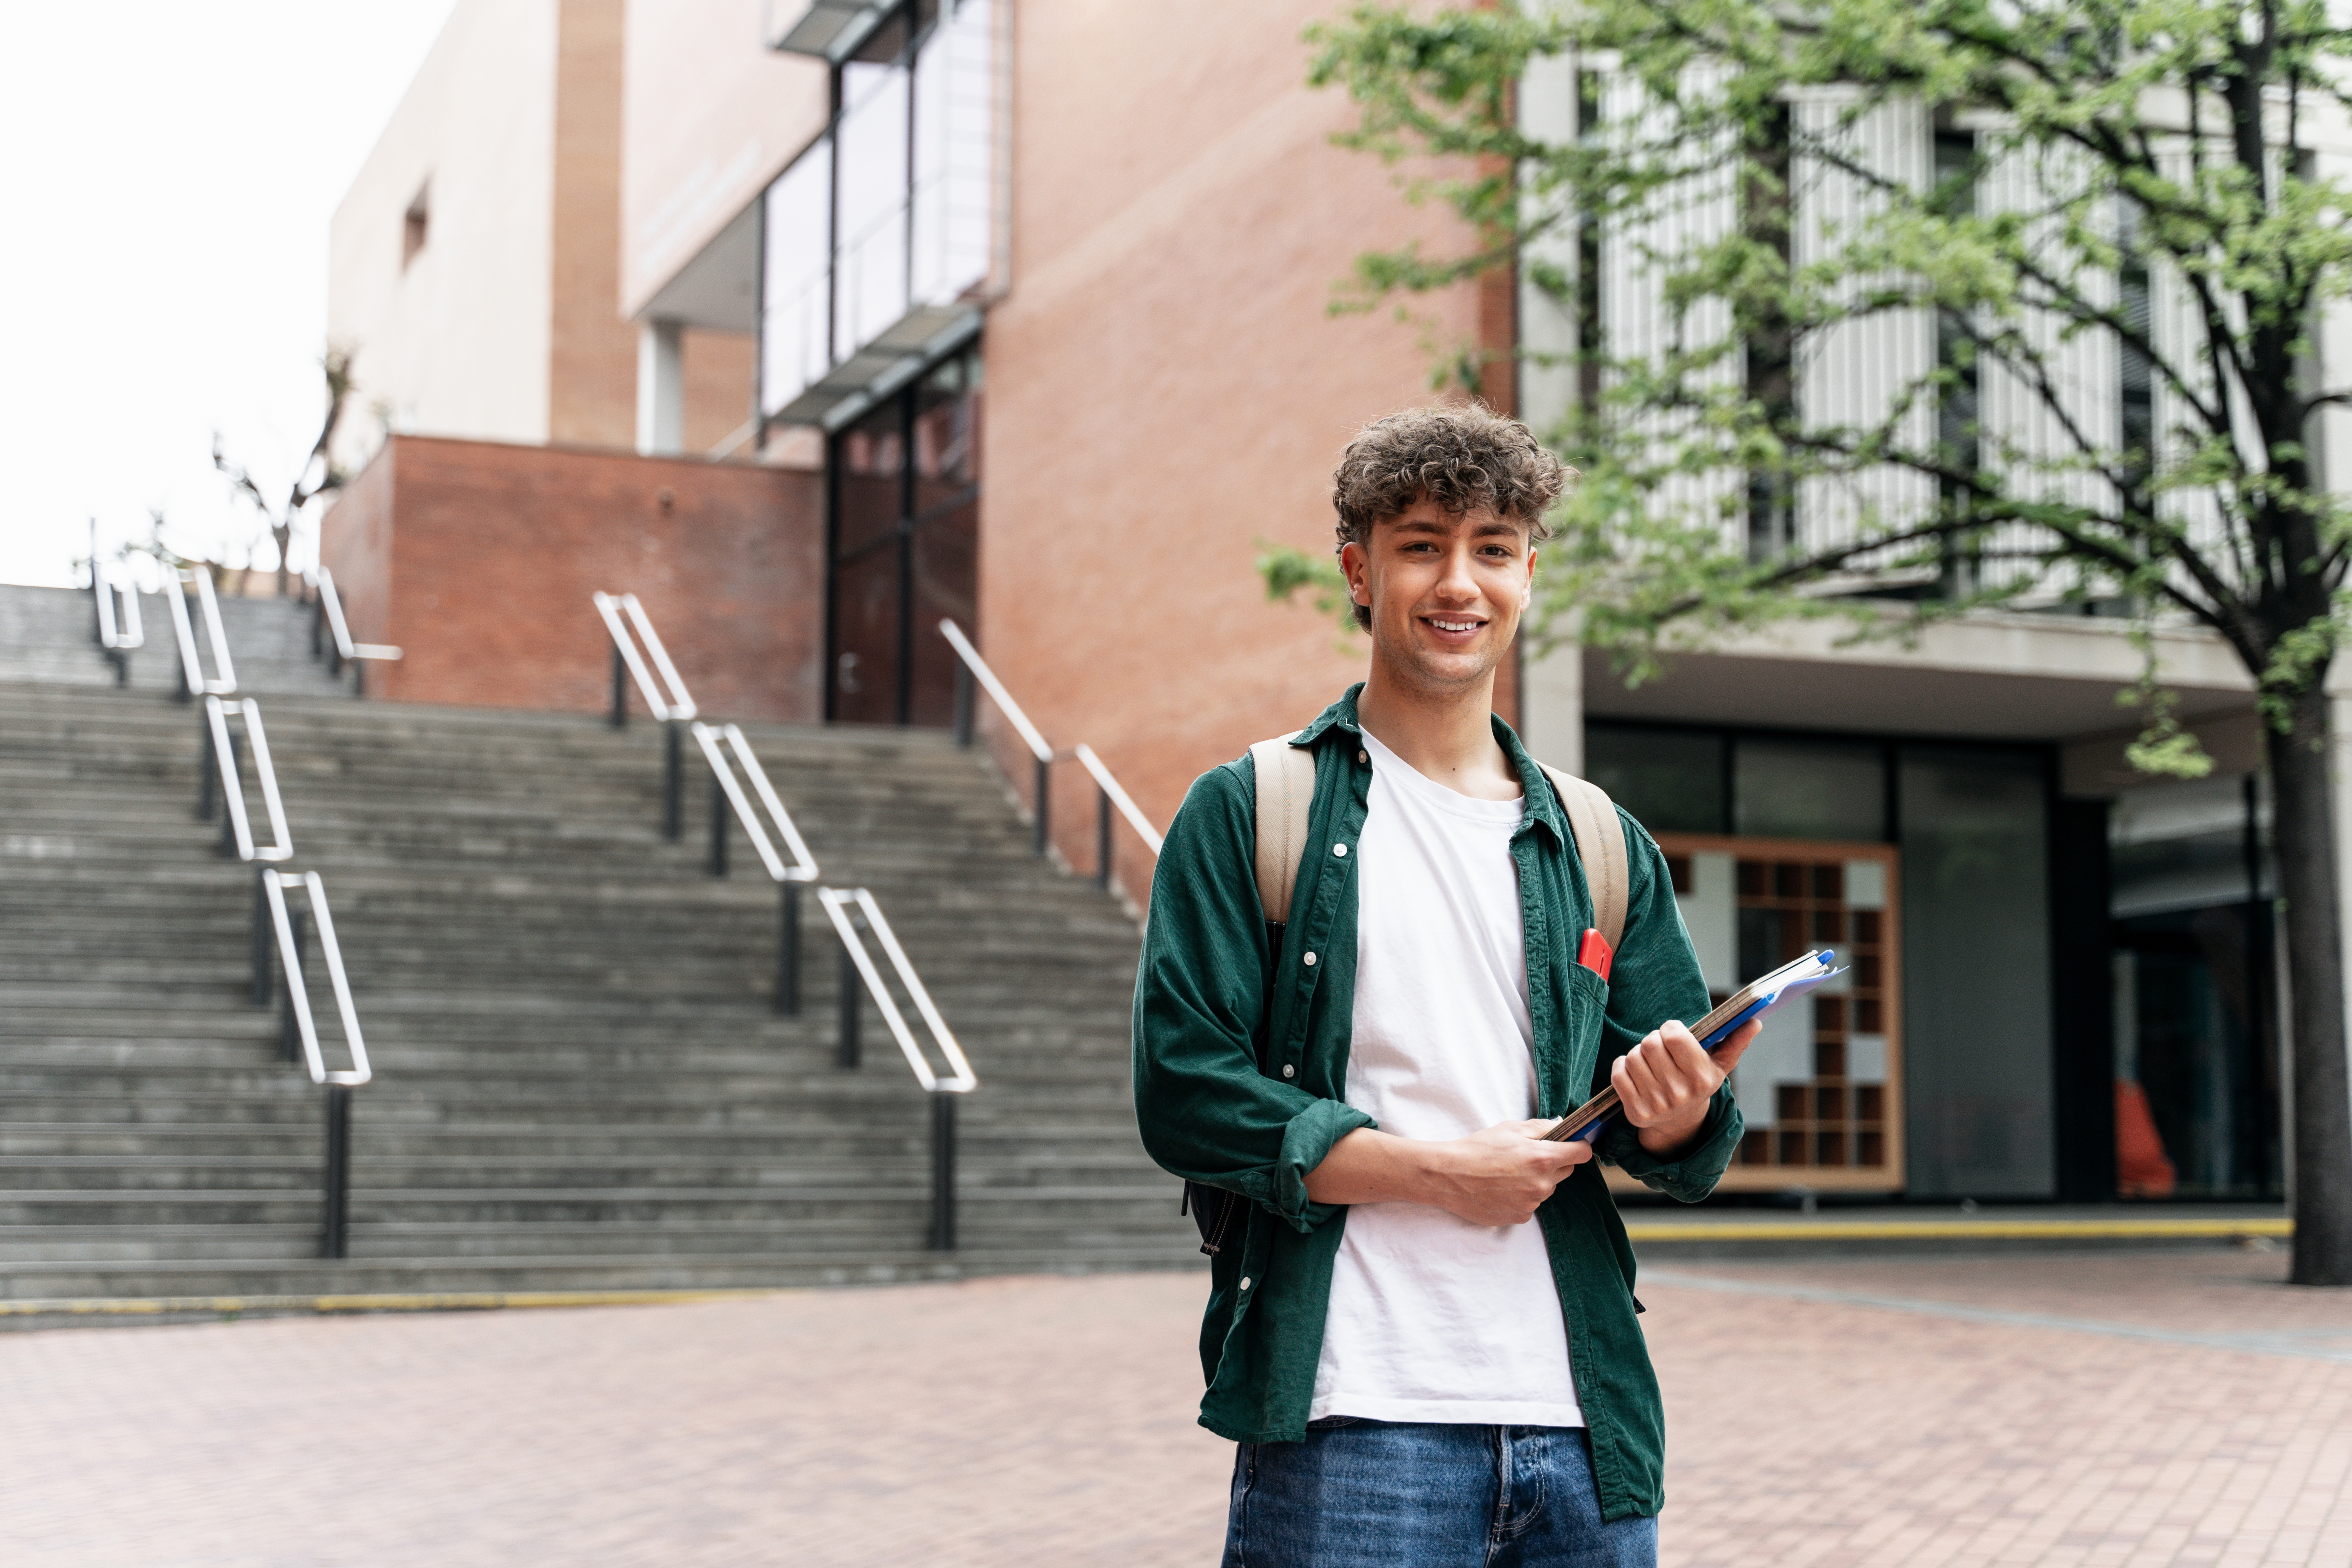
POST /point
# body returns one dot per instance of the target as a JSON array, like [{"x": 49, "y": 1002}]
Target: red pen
[{"x": 1595, "y": 953}]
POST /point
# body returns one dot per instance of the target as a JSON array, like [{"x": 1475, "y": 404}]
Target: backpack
[{"x": 1285, "y": 790}]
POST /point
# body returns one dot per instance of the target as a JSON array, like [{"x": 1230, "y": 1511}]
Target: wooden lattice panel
[{"x": 1822, "y": 1087}]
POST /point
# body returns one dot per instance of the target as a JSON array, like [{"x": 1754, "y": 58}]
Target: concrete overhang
[
  {"x": 829, "y": 29},
  {"x": 720, "y": 289},
  {"x": 923, "y": 336},
  {"x": 1996, "y": 677}
]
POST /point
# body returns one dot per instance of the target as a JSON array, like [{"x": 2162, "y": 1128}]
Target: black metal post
[
  {"x": 334, "y": 1233},
  {"x": 852, "y": 982},
  {"x": 943, "y": 1173},
  {"x": 674, "y": 786},
  {"x": 290, "y": 1029},
  {"x": 1045, "y": 804},
  {"x": 788, "y": 951},
  {"x": 963, "y": 704},
  {"x": 620, "y": 689},
  {"x": 235, "y": 779},
  {"x": 207, "y": 768},
  {"x": 719, "y": 807},
  {"x": 1102, "y": 841},
  {"x": 121, "y": 658},
  {"x": 258, "y": 993},
  {"x": 335, "y": 660},
  {"x": 318, "y": 625},
  {"x": 359, "y": 678}
]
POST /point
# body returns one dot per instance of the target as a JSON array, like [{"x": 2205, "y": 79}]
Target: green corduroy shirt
[{"x": 1241, "y": 1066}]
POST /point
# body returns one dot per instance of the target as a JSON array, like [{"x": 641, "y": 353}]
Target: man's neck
[{"x": 1447, "y": 737}]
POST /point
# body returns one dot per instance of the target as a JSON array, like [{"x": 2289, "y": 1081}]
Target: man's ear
[{"x": 1352, "y": 564}]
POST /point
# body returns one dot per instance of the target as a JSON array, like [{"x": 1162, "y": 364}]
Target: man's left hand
[{"x": 1665, "y": 1083}]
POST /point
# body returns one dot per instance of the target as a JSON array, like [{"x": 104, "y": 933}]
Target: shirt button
[
  {"x": 1310, "y": 961},
  {"x": 1246, "y": 1282},
  {"x": 1341, "y": 850},
  {"x": 1288, "y": 1070},
  {"x": 1363, "y": 756}
]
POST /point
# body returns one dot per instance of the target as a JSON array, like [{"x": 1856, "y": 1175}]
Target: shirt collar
[{"x": 1542, "y": 802}]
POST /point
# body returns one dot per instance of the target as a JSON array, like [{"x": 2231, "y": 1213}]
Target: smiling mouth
[{"x": 1444, "y": 623}]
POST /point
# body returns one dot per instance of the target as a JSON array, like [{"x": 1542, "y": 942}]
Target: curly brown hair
[{"x": 1462, "y": 455}]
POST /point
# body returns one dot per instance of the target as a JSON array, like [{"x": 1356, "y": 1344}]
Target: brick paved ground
[{"x": 2104, "y": 1409}]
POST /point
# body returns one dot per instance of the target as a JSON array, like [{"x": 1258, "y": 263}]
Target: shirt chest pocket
[{"x": 1584, "y": 1007}]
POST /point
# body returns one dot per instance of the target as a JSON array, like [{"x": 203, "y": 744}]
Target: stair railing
[
  {"x": 673, "y": 708},
  {"x": 726, "y": 794},
  {"x": 845, "y": 908},
  {"x": 117, "y": 634},
  {"x": 278, "y": 937},
  {"x": 196, "y": 683},
  {"x": 336, "y": 646},
  {"x": 1111, "y": 797}
]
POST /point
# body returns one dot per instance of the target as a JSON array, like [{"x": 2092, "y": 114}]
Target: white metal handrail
[
  {"x": 838, "y": 902},
  {"x": 225, "y": 681},
  {"x": 114, "y": 635},
  {"x": 995, "y": 688},
  {"x": 324, "y": 580},
  {"x": 804, "y": 868},
  {"x": 677, "y": 704},
  {"x": 1113, "y": 797},
  {"x": 289, "y": 951},
  {"x": 232, "y": 786},
  {"x": 1118, "y": 796}
]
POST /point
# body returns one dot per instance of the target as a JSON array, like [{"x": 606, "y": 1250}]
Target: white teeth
[{"x": 1453, "y": 625}]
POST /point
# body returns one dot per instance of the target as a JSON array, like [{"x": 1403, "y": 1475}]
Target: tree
[
  {"x": 2077, "y": 251},
  {"x": 318, "y": 474}
]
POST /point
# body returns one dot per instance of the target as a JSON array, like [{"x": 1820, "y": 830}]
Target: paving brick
[{"x": 1044, "y": 1421}]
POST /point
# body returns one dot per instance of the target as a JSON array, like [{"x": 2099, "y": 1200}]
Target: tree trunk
[
  {"x": 284, "y": 539},
  {"x": 2304, "y": 832}
]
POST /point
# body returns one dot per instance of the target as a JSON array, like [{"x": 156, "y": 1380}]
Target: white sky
[{"x": 169, "y": 175}]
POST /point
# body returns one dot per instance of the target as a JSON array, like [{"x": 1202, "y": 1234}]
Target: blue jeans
[{"x": 1386, "y": 1494}]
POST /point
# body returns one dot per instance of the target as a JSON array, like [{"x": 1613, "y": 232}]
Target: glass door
[{"x": 904, "y": 549}]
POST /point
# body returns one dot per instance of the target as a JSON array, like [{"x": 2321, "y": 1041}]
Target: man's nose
[{"x": 1457, "y": 583}]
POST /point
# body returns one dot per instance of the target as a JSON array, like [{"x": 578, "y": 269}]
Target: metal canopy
[
  {"x": 829, "y": 29},
  {"x": 925, "y": 335}
]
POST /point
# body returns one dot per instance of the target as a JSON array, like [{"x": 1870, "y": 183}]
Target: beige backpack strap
[
  {"x": 1601, "y": 844},
  {"x": 1286, "y": 789}
]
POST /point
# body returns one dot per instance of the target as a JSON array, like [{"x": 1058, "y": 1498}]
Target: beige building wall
[
  {"x": 454, "y": 340},
  {"x": 504, "y": 324}
]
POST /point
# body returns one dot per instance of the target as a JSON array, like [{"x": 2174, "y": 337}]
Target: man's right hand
[
  {"x": 1498, "y": 1176},
  {"x": 1501, "y": 1176}
]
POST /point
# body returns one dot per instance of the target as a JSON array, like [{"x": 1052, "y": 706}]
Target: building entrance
[{"x": 904, "y": 549}]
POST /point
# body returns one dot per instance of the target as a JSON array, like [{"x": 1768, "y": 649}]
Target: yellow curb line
[
  {"x": 153, "y": 1306},
  {"x": 1947, "y": 1230}
]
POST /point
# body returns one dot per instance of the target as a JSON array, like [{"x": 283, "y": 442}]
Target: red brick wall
[
  {"x": 1167, "y": 386},
  {"x": 478, "y": 559}
]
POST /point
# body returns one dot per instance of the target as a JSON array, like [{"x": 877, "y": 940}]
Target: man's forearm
[{"x": 1368, "y": 1166}]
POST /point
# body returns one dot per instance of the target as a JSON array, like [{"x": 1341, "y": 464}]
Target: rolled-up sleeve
[{"x": 1205, "y": 1111}]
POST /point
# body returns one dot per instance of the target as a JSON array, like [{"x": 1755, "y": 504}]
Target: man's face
[{"x": 1446, "y": 591}]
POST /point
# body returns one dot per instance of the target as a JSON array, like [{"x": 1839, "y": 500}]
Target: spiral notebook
[{"x": 1753, "y": 1000}]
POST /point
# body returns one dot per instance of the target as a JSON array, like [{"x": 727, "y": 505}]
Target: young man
[{"x": 1417, "y": 1376}]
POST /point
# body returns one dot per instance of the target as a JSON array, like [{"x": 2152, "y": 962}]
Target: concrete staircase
[
  {"x": 580, "y": 1082},
  {"x": 46, "y": 635}
]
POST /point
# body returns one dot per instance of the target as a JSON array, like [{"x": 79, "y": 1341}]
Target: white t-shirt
[{"x": 1432, "y": 1317}]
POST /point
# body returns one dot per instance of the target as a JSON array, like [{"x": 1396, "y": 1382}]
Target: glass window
[
  {"x": 870, "y": 255},
  {"x": 1976, "y": 948},
  {"x": 955, "y": 111},
  {"x": 796, "y": 293},
  {"x": 1809, "y": 789},
  {"x": 1671, "y": 780}
]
